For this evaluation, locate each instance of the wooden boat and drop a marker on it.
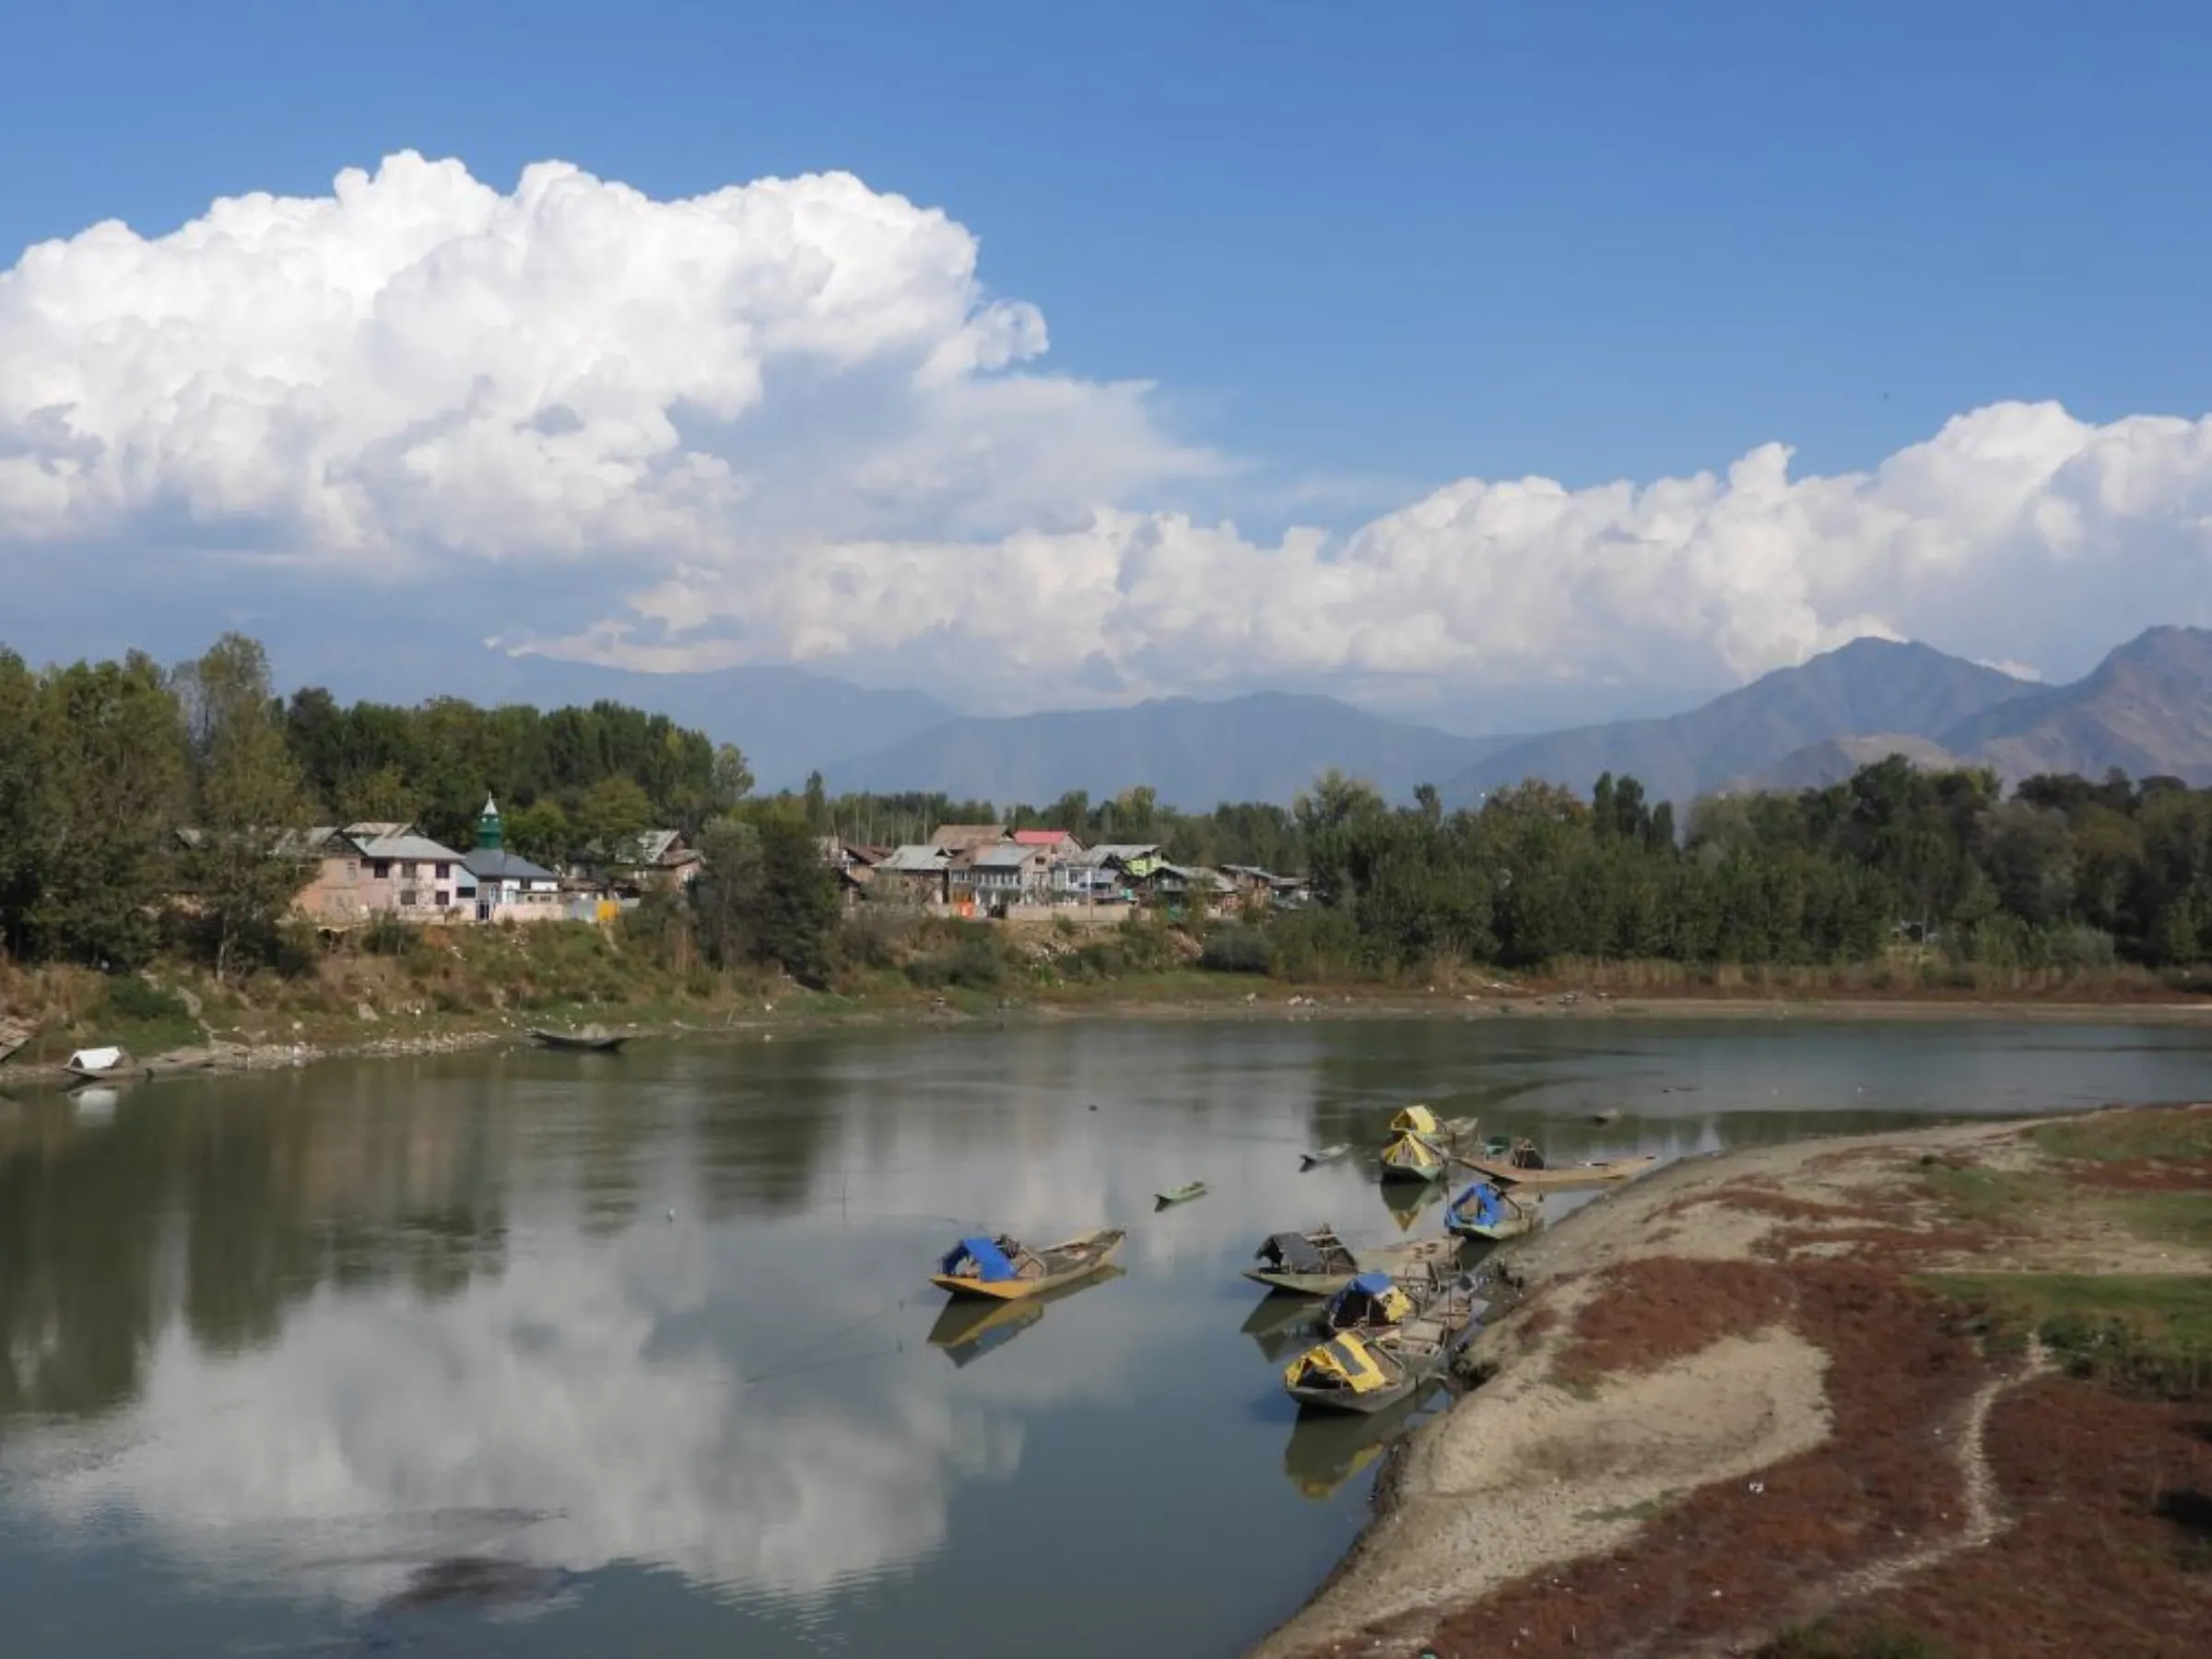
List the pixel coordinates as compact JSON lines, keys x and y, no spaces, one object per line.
{"x":1523,"y":1167}
{"x":1320,"y":1264}
{"x":1004,"y":1269}
{"x":591,"y":1039}
{"x":1375,"y":1301}
{"x":971,"y":1327}
{"x":1179,"y":1194}
{"x":1421,"y":1148}
{"x":1367,"y":1373}
{"x":1483,"y":1211}
{"x":1326,"y":1155}
{"x":88,"y":1064}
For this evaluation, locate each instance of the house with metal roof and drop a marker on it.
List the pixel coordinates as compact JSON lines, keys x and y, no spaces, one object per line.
{"x":509,"y":887}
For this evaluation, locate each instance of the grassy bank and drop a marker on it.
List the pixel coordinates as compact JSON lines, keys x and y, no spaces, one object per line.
{"x":395,"y":983}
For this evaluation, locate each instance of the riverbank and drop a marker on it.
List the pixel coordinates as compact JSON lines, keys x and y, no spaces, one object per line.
{"x":449,"y":1000}
{"x":1746,"y":1403}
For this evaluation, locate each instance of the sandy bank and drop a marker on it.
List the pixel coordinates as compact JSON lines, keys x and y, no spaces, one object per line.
{"x":1736,"y":1344}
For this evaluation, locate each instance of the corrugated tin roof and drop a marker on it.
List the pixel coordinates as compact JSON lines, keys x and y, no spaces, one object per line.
{"x":1010,"y":857}
{"x":1041,"y":838}
{"x":1115,"y":851}
{"x":958,"y":836}
{"x":419,"y":848}
{"x":916,"y":860}
{"x":496,"y":863}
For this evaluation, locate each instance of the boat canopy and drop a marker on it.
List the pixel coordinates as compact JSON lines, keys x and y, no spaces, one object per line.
{"x":1408,"y":1151}
{"x":989,"y":1256}
{"x":1373,"y":1298}
{"x":1341,"y":1362}
{"x":97,"y":1059}
{"x":1480,"y":1203}
{"x":1293,"y":1252}
{"x":1419,"y":1119}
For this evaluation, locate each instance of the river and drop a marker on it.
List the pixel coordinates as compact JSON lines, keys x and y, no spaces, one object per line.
{"x":560,"y":1355}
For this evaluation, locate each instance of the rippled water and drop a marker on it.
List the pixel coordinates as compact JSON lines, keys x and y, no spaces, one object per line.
{"x":414,"y":1356}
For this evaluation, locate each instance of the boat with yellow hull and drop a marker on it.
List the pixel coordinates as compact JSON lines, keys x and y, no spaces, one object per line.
{"x":1483,"y":1211}
{"x":1004,"y":1269}
{"x":1421,"y":1148}
{"x":1523,"y":1167}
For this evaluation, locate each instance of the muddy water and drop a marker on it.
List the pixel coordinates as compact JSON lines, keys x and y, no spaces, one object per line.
{"x":557,"y":1355}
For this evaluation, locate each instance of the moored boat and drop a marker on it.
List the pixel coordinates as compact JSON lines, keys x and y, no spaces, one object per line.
{"x":1484,"y":1211}
{"x":1324,"y":1155}
{"x":970,"y":1327}
{"x":1004,"y":1269}
{"x":1375,"y":1301}
{"x":1179,"y":1194}
{"x":1367,"y":1373}
{"x":1318,"y":1262}
{"x":1522,"y":1165}
{"x":1420,"y":1147}
{"x":86,"y":1064}
{"x":591,"y":1039}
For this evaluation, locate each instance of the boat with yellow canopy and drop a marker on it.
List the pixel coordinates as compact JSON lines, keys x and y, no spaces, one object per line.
{"x":1420,"y":1147}
{"x":1006,"y":1269}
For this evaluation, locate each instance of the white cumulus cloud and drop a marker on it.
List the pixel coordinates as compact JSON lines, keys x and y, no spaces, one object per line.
{"x":788,"y":422}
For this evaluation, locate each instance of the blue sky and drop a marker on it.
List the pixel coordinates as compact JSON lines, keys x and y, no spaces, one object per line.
{"x":1359,"y":259}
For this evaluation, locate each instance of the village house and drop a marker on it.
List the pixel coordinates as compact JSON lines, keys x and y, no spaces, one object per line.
{"x":506,"y":886}
{"x":1107,"y":874}
{"x":1007,"y":874}
{"x":1187,"y":890}
{"x":656,"y":858}
{"x":913,"y":874}
{"x":854,"y":862}
{"x":1060,"y":848}
{"x":355,"y":871}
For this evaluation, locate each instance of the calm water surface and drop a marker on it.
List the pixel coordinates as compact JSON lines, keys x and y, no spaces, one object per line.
{"x":276,"y":1347}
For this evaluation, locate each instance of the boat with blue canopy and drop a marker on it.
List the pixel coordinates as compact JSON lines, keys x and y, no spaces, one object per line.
{"x":1004,"y":1269}
{"x":1486,"y":1211}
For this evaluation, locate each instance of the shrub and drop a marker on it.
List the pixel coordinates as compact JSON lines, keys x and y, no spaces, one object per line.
{"x":130,"y":997}
{"x":1238,"y":950}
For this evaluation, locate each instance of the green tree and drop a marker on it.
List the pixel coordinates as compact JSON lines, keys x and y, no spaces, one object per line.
{"x":245,"y":863}
{"x":541,"y":832}
{"x":112,"y":751}
{"x":612,"y":816}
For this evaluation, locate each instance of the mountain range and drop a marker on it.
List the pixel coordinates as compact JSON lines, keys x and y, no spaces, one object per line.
{"x":2145,"y":709}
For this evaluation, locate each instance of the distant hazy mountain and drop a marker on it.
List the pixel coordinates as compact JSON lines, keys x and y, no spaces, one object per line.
{"x":1266,"y":746}
{"x":789,"y":722}
{"x":1835,"y":759}
{"x":2146,"y":709}
{"x":1867,"y":686}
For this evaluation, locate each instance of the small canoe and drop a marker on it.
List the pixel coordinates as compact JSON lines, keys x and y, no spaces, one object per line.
{"x":1004,"y":1269}
{"x":1179,"y":1194}
{"x":591,"y":1040}
{"x":1484,"y":1211}
{"x":1542,"y":1178}
{"x":1326,"y":1155}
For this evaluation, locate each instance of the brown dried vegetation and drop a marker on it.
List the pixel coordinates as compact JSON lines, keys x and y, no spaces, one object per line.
{"x":1883,"y":1483}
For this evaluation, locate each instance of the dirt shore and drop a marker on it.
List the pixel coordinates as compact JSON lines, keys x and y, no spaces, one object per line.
{"x":1736,"y":1411}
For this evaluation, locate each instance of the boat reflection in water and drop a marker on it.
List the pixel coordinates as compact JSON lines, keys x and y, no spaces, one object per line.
{"x":1326,"y":1449}
{"x":1281,"y":1324}
{"x":969,"y":1329}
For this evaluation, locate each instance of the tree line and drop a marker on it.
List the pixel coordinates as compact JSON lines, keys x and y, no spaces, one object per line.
{"x":103,"y":765}
{"x":2063,"y":872}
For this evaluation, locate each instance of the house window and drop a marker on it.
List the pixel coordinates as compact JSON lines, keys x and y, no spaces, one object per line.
{"x":353,"y":868}
{"x":464,"y":893}
{"x":407,"y":897}
{"x":443,"y":898}
{"x":409,"y":870}
{"x":380,"y":869}
{"x":442,"y":870}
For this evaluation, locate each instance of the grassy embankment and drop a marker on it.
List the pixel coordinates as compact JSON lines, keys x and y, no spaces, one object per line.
{"x":400,"y":985}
